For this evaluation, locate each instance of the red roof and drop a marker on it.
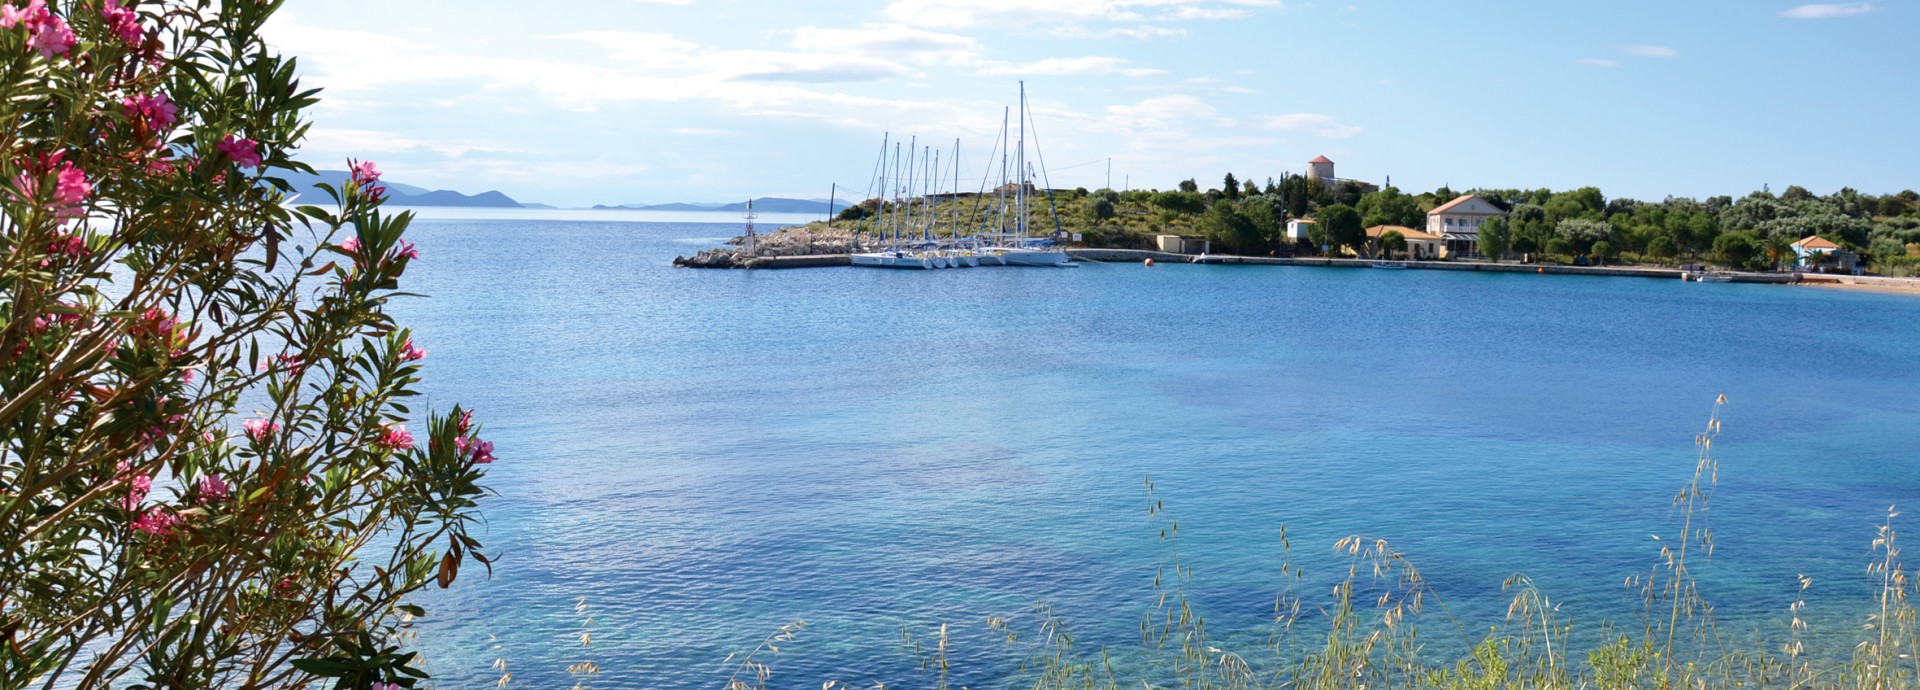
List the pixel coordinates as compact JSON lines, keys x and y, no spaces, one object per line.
{"x":1815,"y":242}
{"x":1443,"y":208}
{"x":1322,"y":159}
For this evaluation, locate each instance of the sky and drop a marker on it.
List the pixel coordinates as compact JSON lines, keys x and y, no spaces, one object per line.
{"x":650,"y":101}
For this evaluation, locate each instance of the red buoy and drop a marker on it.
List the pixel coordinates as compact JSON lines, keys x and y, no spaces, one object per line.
{"x":1149,"y":262}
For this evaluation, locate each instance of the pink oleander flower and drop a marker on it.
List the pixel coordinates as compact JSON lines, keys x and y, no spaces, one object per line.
{"x":11,"y":16}
{"x":67,"y":244}
{"x":365,"y":173}
{"x":410,"y":353}
{"x":70,"y":188}
{"x":257,"y":429}
{"x":466,"y":421}
{"x":124,"y":22}
{"x":51,"y":35}
{"x":367,"y":177}
{"x":156,"y":111}
{"x":397,"y":438}
{"x":482,"y":451}
{"x":156,"y":521}
{"x":352,"y":245}
{"x":213,"y":488}
{"x":137,"y":489}
{"x":244,"y":152}
{"x":406,"y":250}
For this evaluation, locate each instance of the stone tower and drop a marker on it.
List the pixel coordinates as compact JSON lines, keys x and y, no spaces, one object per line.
{"x":1321,"y":170}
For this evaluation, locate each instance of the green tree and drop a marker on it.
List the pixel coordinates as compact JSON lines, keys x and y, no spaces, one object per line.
{"x":206,"y":475}
{"x":1348,"y":192}
{"x":1227,"y":228}
{"x":1100,"y":210}
{"x":1189,"y":185}
{"x":1342,"y":226}
{"x":1392,"y":241}
{"x":1600,"y":251}
{"x":1661,"y":247}
{"x":1181,"y":202}
{"x":1495,"y":238}
{"x":1230,"y":187}
{"x":1776,"y":248}
{"x":1269,"y":218}
{"x":1581,"y":233}
{"x":1736,"y":249}
{"x":1389,"y":207}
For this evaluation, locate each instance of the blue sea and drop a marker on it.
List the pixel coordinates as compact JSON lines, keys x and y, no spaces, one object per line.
{"x":692,"y":459}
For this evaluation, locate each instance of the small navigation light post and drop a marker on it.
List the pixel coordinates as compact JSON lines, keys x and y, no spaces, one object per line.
{"x":752,"y":241}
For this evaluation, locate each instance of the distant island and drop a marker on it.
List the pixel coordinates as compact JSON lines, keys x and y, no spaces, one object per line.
{"x":398,"y":193}
{"x":762,"y":205}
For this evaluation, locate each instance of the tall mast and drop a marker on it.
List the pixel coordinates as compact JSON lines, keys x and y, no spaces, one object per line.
{"x":956,"y":190}
{"x":892,"y":191}
{"x":932,"y":190}
{"x":1020,"y":166}
{"x":1001,"y":203}
{"x":913,"y":144}
{"x":880,"y":188}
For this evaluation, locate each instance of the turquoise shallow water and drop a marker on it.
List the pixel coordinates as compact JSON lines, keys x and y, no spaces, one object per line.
{"x":706,"y":455}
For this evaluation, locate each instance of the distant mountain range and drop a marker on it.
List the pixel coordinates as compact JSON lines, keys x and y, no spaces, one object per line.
{"x":403,"y":194}
{"x":762,"y":205}
{"x":398,"y":193}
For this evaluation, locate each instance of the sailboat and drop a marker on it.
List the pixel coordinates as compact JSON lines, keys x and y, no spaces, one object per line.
{"x":894,"y":254}
{"x":1016,"y":246}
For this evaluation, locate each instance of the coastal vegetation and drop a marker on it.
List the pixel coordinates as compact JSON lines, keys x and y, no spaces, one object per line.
{"x":1755,"y":231}
{"x":207,"y":477}
{"x":1385,"y":625}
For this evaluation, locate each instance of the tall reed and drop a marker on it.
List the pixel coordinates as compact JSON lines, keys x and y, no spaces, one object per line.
{"x":1373,"y":641}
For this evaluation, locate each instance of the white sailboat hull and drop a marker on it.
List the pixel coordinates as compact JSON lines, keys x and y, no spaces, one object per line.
{"x":891,"y":260}
{"x":1026,"y":256}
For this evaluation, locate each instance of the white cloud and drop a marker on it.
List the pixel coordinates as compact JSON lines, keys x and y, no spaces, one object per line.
{"x":968,"y":13}
{"x":1069,"y":13}
{"x":334,"y":140}
{"x":1828,"y":11}
{"x":1315,"y":124}
{"x":1189,"y":13}
{"x":889,"y":41}
{"x":652,"y":50}
{"x":1054,"y":67}
{"x":1649,"y":51}
{"x":1597,"y":62}
{"x":812,"y":68}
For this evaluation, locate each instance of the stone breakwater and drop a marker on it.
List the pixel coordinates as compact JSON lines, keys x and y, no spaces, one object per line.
{"x":781,"y":248}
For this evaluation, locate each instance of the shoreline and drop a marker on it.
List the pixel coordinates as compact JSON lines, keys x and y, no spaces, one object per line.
{"x":1876,"y":284}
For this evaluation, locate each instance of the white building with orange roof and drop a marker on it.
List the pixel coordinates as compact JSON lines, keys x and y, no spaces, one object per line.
{"x":1809,"y":247}
{"x":1421,"y":246}
{"x":1459,"y":221}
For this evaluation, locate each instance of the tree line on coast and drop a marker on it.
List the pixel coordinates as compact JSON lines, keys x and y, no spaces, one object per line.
{"x":1756,"y":231}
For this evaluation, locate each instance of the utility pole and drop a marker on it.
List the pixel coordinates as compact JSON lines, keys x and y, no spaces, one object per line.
{"x":1109,"y":172}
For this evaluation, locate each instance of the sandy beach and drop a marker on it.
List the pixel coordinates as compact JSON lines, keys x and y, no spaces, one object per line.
{"x":1893,"y":286}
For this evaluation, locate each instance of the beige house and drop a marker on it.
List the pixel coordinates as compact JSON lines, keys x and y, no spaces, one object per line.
{"x":1421,"y":246}
{"x":1459,"y":221}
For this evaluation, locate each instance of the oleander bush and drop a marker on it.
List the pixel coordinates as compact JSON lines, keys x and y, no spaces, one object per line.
{"x":206,"y":474}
